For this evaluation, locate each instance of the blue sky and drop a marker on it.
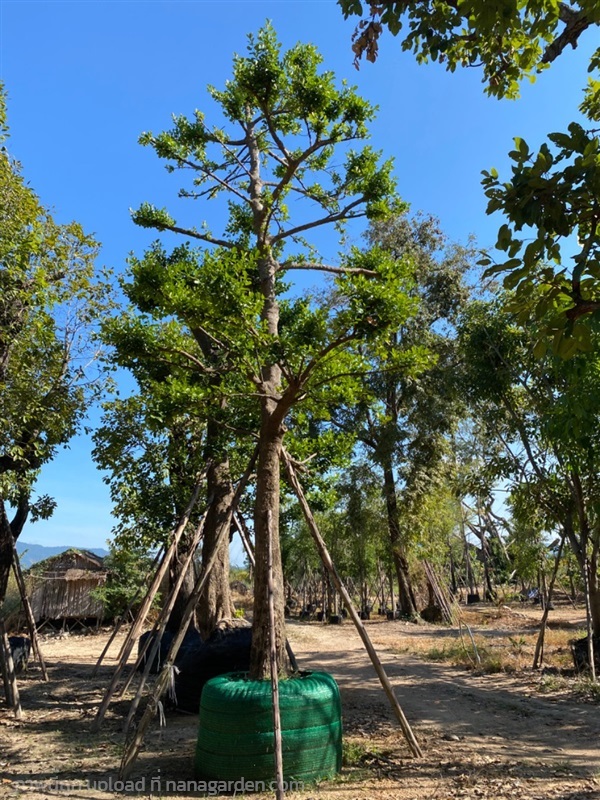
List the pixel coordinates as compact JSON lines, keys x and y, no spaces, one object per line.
{"x":85,"y":78}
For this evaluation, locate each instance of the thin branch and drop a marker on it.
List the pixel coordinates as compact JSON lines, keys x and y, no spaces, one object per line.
{"x":328,"y":268}
{"x":341,"y":215}
{"x":203,"y":237}
{"x":317,"y":360}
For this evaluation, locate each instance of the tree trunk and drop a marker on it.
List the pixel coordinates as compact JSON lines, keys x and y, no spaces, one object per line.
{"x":187,"y":587}
{"x":406,"y":597}
{"x":6,"y":552}
{"x":215,"y":602}
{"x":267,"y":500}
{"x":9,"y":533}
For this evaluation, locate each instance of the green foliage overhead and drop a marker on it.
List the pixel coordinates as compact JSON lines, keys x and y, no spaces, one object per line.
{"x":508,"y":40}
{"x":552,"y":195}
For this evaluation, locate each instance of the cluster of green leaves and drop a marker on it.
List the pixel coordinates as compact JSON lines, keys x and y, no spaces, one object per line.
{"x":150,"y":466}
{"x":129,"y":566}
{"x":298,"y":118}
{"x":509,"y":40}
{"x":554,"y":195}
{"x":544,"y":413}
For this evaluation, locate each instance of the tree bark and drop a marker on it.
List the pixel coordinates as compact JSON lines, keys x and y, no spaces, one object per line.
{"x":215,"y":602}
{"x":406,"y":597}
{"x":9,"y":533}
{"x":267,"y":501}
{"x":6,"y":552}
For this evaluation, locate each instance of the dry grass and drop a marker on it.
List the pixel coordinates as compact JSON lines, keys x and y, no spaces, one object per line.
{"x":502,"y":642}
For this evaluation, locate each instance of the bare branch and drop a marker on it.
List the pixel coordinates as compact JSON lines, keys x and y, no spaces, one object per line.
{"x":328,"y":268}
{"x":203,"y":237}
{"x":345,"y":213}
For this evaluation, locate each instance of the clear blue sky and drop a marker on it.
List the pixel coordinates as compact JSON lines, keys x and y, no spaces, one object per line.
{"x":85,"y":78}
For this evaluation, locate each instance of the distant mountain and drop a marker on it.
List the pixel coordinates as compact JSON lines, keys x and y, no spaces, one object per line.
{"x":32,"y":553}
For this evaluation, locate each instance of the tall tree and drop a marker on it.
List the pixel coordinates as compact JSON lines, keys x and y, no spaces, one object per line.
{"x":412,"y":405}
{"x":287,"y":134}
{"x":152,"y":453}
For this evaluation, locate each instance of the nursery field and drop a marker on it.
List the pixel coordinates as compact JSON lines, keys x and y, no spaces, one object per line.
{"x":490,"y":730}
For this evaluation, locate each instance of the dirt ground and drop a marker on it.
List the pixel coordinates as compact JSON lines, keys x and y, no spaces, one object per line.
{"x":483,"y":735}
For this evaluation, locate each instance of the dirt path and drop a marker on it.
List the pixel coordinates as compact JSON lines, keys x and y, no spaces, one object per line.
{"x":467,"y":721}
{"x":484,"y":737}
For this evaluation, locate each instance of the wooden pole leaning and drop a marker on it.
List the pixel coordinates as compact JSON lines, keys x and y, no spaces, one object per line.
{"x":124,"y":617}
{"x":279,"y":792}
{"x":145,"y":607}
{"x":329,"y":565}
{"x":31,"y":626}
{"x":538,"y":656}
{"x":164,"y":618}
{"x":132,"y":750}
{"x":7,"y":667}
{"x":243,"y":532}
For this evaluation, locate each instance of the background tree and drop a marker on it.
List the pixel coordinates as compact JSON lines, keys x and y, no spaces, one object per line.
{"x":412,"y":403}
{"x":49,"y":304}
{"x":545,"y":414}
{"x":152,"y":455}
{"x":128,"y":566}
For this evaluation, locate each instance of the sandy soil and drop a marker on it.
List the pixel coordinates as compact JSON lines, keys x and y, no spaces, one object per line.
{"x":483,"y":736}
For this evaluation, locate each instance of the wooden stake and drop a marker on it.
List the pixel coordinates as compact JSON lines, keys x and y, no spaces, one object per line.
{"x":588,"y":614}
{"x":124,"y":617}
{"x":538,"y":657}
{"x":163,"y":620}
{"x":243,"y":532}
{"x":31,"y":626}
{"x":132,"y":751}
{"x":326,"y":558}
{"x":279,"y":792}
{"x":145,"y":607}
{"x":440,"y":595}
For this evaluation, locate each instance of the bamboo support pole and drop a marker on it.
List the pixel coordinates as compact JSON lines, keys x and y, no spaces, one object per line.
{"x":439,"y":593}
{"x":132,"y":750}
{"x":124,"y":617}
{"x":326,"y":558}
{"x":589,"y":625}
{"x":243,"y":533}
{"x":279,"y":792}
{"x":35,"y":643}
{"x":145,"y":607}
{"x":163,"y":620}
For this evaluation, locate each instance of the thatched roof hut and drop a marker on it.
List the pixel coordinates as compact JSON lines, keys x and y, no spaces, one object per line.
{"x":62,"y":587}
